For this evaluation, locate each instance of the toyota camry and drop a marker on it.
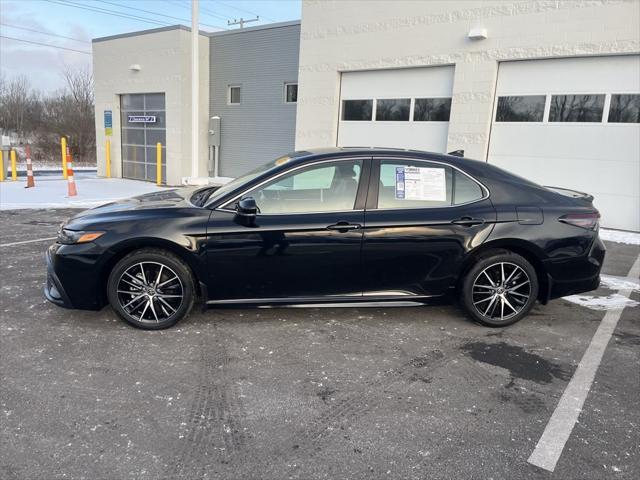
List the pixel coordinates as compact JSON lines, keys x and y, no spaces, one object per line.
{"x":333,"y":226}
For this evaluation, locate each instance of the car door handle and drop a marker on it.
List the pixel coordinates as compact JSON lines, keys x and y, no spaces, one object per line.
{"x":468,"y":221}
{"x":343,"y":227}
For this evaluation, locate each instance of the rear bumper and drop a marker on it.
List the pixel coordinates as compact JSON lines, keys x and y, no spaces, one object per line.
{"x":575,"y":275}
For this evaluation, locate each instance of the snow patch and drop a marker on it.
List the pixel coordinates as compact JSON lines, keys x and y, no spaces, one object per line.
{"x":619,"y":283}
{"x":618,"y":236}
{"x":614,"y":301}
{"x":52,"y":193}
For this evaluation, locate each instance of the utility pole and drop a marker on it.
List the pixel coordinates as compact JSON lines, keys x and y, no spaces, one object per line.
{"x":242,"y":21}
{"x":195,"y":84}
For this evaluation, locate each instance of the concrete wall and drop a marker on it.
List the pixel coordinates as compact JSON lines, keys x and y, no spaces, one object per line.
{"x":346,"y":35}
{"x":164,"y":56}
{"x":260,"y":60}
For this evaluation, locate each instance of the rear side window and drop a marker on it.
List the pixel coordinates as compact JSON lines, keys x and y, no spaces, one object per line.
{"x":414,"y":184}
{"x":465,"y":190}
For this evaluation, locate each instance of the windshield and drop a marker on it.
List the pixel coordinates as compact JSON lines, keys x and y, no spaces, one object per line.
{"x":232,"y":185}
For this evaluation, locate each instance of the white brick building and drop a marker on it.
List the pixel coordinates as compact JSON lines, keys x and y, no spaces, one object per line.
{"x":449,"y":75}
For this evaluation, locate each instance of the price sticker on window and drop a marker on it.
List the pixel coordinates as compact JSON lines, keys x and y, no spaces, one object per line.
{"x":418,"y":183}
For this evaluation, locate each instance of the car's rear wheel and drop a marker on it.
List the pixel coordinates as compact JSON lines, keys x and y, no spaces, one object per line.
{"x":500,"y":289}
{"x":151,"y":289}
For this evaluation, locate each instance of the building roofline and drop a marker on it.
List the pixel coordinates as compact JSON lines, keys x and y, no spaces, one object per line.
{"x":267,"y":26}
{"x":202,"y":32}
{"x":146,"y":32}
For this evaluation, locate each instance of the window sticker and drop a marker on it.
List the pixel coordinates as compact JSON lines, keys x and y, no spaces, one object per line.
{"x":417,"y":183}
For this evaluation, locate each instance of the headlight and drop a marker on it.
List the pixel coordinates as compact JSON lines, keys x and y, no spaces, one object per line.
{"x":71,"y":237}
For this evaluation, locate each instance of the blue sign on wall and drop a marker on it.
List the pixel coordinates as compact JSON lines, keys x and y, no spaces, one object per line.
{"x":108,"y":122}
{"x":141,"y":118}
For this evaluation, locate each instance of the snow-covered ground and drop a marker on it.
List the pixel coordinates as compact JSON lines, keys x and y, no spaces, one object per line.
{"x":51,"y":192}
{"x":630,"y":238}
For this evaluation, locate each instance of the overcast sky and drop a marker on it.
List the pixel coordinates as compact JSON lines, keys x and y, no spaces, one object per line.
{"x":82,"y":20}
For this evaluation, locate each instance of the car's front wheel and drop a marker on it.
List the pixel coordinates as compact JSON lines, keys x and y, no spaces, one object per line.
{"x":500,"y":289}
{"x":151,"y":289}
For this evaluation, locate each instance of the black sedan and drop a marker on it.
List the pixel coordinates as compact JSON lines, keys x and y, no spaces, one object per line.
{"x":333,"y":226}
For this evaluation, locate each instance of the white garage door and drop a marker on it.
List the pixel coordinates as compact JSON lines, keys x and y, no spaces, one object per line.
{"x":574,"y":123}
{"x":403,"y":108}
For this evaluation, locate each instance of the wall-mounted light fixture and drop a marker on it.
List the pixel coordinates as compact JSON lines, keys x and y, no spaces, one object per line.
{"x":477,"y":34}
{"x":134,"y":67}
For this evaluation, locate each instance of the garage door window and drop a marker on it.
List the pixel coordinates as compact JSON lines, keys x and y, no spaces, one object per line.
{"x":625,"y":109}
{"x":393,"y":109}
{"x":576,"y":108}
{"x":521,"y":108}
{"x":359,"y":110}
{"x":432,"y":110}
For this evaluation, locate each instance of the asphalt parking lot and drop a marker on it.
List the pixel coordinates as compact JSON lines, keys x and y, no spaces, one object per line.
{"x":348,"y":393}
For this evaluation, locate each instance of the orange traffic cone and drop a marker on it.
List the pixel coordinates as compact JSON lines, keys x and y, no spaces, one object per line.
{"x":30,"y":181}
{"x":71,"y":184}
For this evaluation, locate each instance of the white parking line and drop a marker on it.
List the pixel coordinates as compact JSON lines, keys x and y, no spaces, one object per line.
{"x":565,"y":416}
{"x":27,"y":241}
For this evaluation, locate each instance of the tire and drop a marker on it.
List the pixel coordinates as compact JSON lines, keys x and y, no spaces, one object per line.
{"x":151,"y":289}
{"x":500,"y":289}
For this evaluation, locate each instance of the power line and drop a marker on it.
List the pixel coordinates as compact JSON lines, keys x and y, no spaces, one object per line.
{"x":245,"y":11}
{"x":109,"y":12}
{"x":154,"y":13}
{"x":46,"y":45}
{"x":44,"y":33}
{"x":203,"y":10}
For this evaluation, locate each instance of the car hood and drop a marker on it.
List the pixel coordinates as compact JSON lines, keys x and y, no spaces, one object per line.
{"x":134,"y":207}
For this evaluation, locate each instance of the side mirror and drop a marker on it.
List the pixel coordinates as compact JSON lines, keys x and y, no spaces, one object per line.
{"x":247,"y":207}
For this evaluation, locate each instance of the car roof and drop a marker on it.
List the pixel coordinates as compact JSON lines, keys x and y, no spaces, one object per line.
{"x":302,"y":156}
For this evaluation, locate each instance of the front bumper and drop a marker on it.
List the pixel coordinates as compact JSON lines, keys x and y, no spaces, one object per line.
{"x":73,"y":279}
{"x":53,"y":289}
{"x":576,"y":275}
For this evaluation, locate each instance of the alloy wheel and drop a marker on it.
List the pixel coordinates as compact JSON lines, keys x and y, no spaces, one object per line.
{"x":501,"y":291}
{"x":150,"y":292}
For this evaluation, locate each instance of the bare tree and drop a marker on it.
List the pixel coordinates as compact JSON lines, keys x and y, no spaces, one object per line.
{"x":19,"y":106}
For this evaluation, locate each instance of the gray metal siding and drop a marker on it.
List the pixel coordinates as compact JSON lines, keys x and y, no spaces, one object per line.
{"x":262,"y":126}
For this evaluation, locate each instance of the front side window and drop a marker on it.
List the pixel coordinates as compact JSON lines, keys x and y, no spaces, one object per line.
{"x":357,"y":110}
{"x":291,"y":92}
{"x":393,"y":109}
{"x":521,"y":108}
{"x":576,"y":108}
{"x":432,"y":110}
{"x":234,"y":95}
{"x":414,"y":184}
{"x":327,"y":187}
{"x":625,"y":108}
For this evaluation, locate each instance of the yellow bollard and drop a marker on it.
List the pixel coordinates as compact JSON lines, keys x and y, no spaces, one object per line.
{"x":2,"y":166}
{"x":108,"y":156}
{"x":63,"y":149}
{"x":14,"y":170}
{"x":159,"y":163}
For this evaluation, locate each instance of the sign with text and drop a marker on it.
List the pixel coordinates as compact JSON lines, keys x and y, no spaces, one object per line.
{"x":141,"y":118}
{"x":417,"y":183}
{"x":108,"y":123}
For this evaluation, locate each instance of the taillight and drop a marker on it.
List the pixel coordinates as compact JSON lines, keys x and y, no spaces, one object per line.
{"x":582,"y":220}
